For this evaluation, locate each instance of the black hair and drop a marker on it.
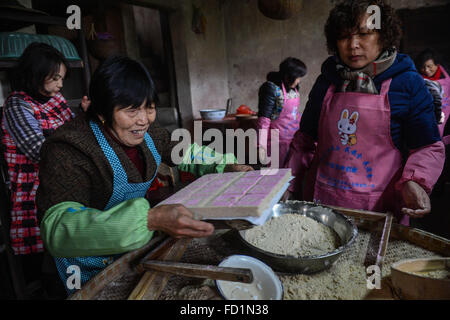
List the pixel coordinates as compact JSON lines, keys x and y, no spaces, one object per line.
{"x":424,"y":56}
{"x":290,"y":69}
{"x":345,"y":18}
{"x":38,"y":62}
{"x":119,"y":82}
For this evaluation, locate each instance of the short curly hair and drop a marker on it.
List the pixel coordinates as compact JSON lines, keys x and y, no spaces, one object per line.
{"x":345,"y":17}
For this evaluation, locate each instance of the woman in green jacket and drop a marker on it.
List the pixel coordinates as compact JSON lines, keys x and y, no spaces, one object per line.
{"x":96,"y":170}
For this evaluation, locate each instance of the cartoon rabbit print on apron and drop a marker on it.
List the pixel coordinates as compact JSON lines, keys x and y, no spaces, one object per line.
{"x":347,"y":127}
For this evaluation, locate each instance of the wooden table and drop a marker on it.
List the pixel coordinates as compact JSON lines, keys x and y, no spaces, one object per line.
{"x":231,"y":121}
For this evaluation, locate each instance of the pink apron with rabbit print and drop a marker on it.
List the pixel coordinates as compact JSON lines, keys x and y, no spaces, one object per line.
{"x":287,"y":123}
{"x":445,"y":83}
{"x":357,"y":162}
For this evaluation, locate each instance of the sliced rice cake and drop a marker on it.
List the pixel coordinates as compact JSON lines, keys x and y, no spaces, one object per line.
{"x":232,"y":194}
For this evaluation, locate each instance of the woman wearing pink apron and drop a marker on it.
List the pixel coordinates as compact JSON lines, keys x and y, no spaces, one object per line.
{"x":356,"y":166}
{"x":368,"y":138}
{"x":279,"y":108}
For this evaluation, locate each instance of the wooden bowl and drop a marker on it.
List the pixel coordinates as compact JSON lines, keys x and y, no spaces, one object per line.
{"x":411,"y":282}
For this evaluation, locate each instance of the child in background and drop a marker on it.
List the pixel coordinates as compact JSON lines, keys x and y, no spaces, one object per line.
{"x":31,"y":113}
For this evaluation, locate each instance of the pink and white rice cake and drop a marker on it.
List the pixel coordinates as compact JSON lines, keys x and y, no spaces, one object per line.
{"x":232,"y":194}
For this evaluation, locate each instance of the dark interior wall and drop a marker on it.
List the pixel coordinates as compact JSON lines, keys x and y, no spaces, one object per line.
{"x":103,"y":16}
{"x":199,"y":59}
{"x":147,"y":24}
{"x":241,"y":45}
{"x":206,"y":56}
{"x":427,"y":28}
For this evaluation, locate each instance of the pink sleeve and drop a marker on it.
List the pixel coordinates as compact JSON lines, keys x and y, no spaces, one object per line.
{"x":263,"y":126}
{"x":299,"y":159}
{"x":446,"y":140}
{"x":424,"y":166}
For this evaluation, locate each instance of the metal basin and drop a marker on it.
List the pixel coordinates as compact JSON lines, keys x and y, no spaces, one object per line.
{"x":213,"y":114}
{"x":342,"y":225}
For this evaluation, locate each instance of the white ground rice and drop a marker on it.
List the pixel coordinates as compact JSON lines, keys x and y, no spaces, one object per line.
{"x":347,"y":278}
{"x":294,"y":235}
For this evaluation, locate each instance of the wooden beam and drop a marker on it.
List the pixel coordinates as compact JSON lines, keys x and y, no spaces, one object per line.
{"x":200,"y":271}
{"x":9,"y":64}
{"x":384,"y":240}
{"x":363,"y":214}
{"x":152,"y":283}
{"x":159,"y":6}
{"x":11,"y":15}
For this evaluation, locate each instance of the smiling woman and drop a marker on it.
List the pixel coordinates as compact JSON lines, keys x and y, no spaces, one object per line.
{"x":130,"y":125}
{"x":96,"y":171}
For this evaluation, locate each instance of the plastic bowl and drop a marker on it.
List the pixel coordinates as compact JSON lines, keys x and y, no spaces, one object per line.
{"x":213,"y":114}
{"x":265,"y":286}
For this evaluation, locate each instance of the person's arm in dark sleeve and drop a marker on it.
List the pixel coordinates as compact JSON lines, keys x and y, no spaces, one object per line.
{"x":420,"y":127}
{"x":436,"y":90}
{"x":426,"y":150}
{"x":266,"y":106}
{"x":309,"y":123}
{"x":266,"y":100}
{"x":23,"y":127}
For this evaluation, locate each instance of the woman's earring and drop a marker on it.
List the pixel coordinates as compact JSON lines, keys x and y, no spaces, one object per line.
{"x":103,"y":122}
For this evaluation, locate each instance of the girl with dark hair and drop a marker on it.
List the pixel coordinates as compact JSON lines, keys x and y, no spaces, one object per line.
{"x":31,"y":113}
{"x":279,"y":107}
{"x":97,"y":169}
{"x":368,"y":138}
{"x":438,"y":83}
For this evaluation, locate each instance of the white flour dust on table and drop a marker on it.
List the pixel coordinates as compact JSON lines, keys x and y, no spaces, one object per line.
{"x":294,"y":235}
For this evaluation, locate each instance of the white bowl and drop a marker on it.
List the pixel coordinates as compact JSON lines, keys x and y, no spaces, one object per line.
{"x":213,"y":114}
{"x":265,"y":286}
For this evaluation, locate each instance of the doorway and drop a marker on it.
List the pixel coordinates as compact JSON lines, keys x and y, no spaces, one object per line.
{"x":154,"y":50}
{"x":426,"y":28}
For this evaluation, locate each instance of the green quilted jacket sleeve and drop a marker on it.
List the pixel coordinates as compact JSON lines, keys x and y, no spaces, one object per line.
{"x":204,"y":160}
{"x":69,"y":229}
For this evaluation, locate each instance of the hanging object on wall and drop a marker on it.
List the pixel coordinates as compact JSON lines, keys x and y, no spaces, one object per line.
{"x":198,"y":20}
{"x":102,"y":44}
{"x":280,"y":9}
